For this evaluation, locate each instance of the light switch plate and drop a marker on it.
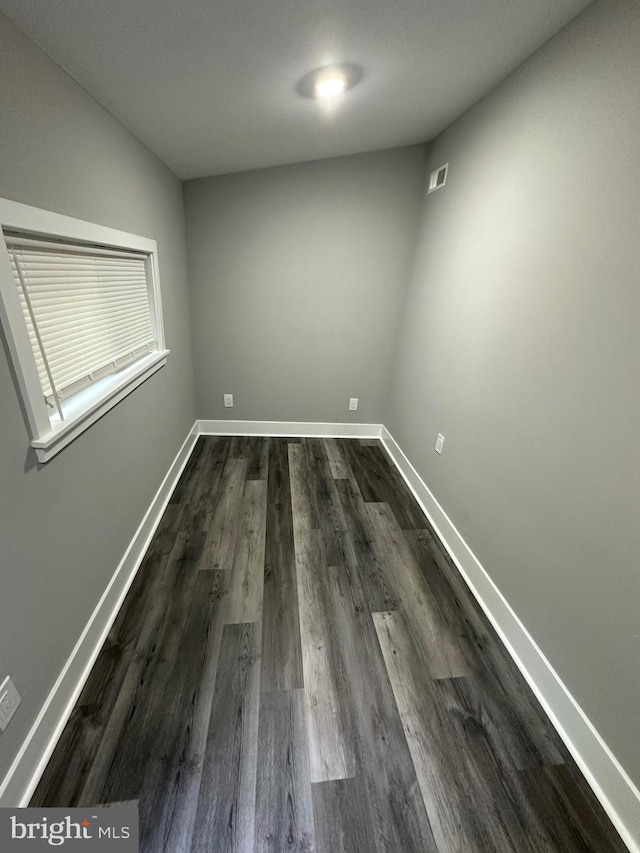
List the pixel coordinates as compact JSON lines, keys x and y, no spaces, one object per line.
{"x":9,"y":701}
{"x":228,"y":401}
{"x":353,"y":404}
{"x":439,"y":443}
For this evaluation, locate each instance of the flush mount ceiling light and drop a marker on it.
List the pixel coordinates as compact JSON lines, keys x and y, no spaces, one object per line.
{"x":329,"y":82}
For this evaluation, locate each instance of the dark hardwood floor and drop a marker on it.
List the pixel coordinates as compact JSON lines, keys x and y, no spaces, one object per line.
{"x":298,"y":666}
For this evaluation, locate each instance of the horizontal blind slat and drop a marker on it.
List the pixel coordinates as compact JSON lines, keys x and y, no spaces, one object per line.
{"x":70,"y":259}
{"x":90,"y":270}
{"x":71,"y":343}
{"x":74,"y":284}
{"x":63,"y":320}
{"x":60,"y":360}
{"x":79,"y":283}
{"x":60,"y":356}
{"x":61,"y":364}
{"x":59,"y":307}
{"x":90,"y":330}
{"x":69,"y":263}
{"x":70,"y":378}
{"x":88,"y":311}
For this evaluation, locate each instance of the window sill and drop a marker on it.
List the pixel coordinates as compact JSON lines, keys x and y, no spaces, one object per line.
{"x":85,"y":408}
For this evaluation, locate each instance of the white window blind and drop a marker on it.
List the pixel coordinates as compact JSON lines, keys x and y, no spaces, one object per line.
{"x":87,"y":312}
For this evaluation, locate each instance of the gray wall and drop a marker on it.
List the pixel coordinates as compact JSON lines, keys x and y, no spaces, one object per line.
{"x":65,"y":526}
{"x":521,"y":344}
{"x":297,"y":275}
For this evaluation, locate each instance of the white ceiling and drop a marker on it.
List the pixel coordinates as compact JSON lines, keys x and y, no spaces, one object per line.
{"x":209,"y":85}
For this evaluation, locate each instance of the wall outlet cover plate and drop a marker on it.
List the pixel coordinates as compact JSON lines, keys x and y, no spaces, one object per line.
{"x":9,"y":702}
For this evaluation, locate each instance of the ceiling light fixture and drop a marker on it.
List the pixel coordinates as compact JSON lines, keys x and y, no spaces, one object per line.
{"x":329,"y":82}
{"x":330,"y":85}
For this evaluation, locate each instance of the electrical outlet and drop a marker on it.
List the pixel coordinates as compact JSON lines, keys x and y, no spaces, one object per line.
{"x":353,"y":404}
{"x":439,"y":443}
{"x":9,"y":701}
{"x":228,"y":401}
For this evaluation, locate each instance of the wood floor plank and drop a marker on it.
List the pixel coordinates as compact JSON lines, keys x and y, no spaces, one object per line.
{"x":120,"y":763}
{"x":281,"y":649}
{"x":522,"y":724}
{"x":339,"y":510}
{"x":367,"y":479}
{"x":342,"y":818}
{"x":186,"y":480}
{"x":372,"y":586}
{"x":303,"y":501}
{"x":462,"y":822}
{"x":517,"y":718}
{"x":445,"y":652}
{"x":244,"y":601}
{"x":330,"y":518}
{"x":444,"y":578}
{"x":135,"y":626}
{"x":94,"y":787}
{"x":573,"y":821}
{"x":279,"y":491}
{"x":239,"y":447}
{"x":284,"y":808}
{"x":450,"y":593}
{"x":226,"y":805}
{"x":380,"y":482}
{"x":330,"y":732}
{"x":258,"y":458}
{"x":400,"y":821}
{"x":200,"y":499}
{"x":170,"y":788}
{"x":396,"y":492}
{"x":222,"y":526}
{"x":339,"y":466}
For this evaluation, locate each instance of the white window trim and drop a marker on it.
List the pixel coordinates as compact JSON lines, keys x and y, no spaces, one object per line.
{"x":48,"y":437}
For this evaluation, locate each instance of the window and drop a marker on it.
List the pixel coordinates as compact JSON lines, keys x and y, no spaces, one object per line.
{"x":80,"y":306}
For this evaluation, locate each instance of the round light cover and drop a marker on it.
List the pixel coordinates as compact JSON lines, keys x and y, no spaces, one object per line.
{"x":328,"y":82}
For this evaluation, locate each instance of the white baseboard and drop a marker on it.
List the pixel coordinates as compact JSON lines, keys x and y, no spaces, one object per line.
{"x":290,"y":428}
{"x":608,"y":779}
{"x":24,"y":774}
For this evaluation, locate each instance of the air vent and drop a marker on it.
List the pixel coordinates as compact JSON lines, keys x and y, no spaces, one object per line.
{"x":438,"y":178}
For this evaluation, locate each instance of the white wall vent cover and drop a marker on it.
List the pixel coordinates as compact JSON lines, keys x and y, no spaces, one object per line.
{"x":438,"y":178}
